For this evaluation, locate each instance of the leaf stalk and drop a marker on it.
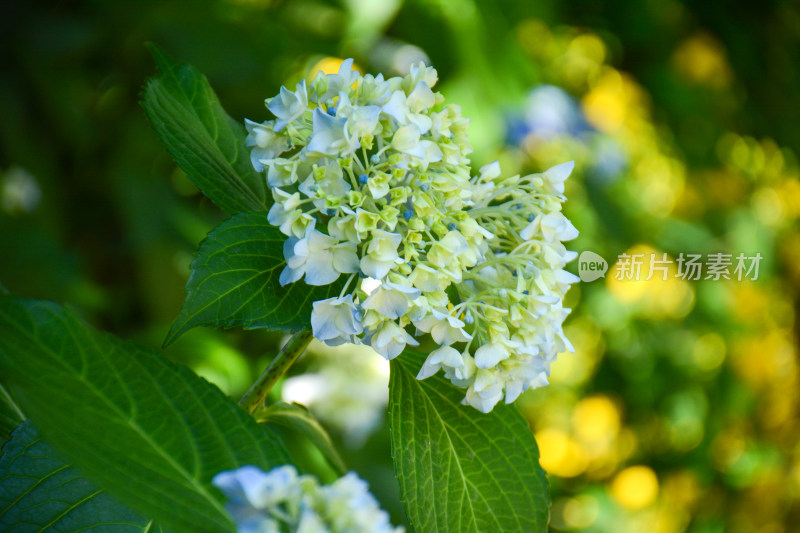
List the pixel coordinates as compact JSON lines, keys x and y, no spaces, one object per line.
{"x":286,"y":357}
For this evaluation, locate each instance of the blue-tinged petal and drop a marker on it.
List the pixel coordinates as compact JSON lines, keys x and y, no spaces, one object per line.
{"x":319,"y":268}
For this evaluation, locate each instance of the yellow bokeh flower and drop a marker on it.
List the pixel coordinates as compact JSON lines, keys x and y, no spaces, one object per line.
{"x":636,"y":487}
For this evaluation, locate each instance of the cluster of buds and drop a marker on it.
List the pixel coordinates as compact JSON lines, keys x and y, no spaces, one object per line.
{"x":372,"y":183}
{"x":282,"y":500}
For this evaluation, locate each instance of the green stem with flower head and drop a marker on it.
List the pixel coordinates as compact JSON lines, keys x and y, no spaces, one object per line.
{"x":286,"y":357}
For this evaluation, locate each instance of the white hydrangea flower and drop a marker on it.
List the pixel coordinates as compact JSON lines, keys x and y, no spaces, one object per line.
{"x":287,"y":215}
{"x":289,"y":106}
{"x":326,"y":88}
{"x":331,"y":136}
{"x":283,"y":500}
{"x":485,"y":391}
{"x":391,"y":299}
{"x":445,"y":328}
{"x":319,"y":257}
{"x":490,"y":354}
{"x":265,"y":143}
{"x":381,"y":254}
{"x":336,"y":320}
{"x":371,"y":178}
{"x":444,"y":357}
{"x":412,"y":109}
{"x":389,"y":339}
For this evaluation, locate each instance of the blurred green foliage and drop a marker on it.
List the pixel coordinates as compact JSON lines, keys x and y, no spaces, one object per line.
{"x":679,"y":409}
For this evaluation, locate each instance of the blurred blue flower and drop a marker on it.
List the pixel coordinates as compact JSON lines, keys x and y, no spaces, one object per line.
{"x":283,"y":500}
{"x":609,"y":158}
{"x":549,"y":112}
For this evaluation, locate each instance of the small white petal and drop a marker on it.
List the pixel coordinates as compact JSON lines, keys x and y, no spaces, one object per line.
{"x":406,"y":138}
{"x":488,"y":355}
{"x":396,"y":107}
{"x":319,"y":268}
{"x":490,"y":170}
{"x":557,"y":174}
{"x":289,"y":275}
{"x":345,"y":259}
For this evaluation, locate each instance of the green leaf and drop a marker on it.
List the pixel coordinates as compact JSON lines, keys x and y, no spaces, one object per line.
{"x":151,"y":432}
{"x":10,"y":416}
{"x":203,"y":140}
{"x":40,"y":491}
{"x":461,"y":470}
{"x":234,"y":281}
{"x":297,"y":417}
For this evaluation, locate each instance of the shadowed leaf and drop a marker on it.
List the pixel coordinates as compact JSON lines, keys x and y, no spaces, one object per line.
{"x":203,"y":140}
{"x":150,"y":432}
{"x":234,"y":281}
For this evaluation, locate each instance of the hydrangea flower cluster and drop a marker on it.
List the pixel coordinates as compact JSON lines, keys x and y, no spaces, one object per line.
{"x":281,"y":500}
{"x":372,"y":184}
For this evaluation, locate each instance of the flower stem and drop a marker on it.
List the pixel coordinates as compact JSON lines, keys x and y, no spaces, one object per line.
{"x":286,"y":357}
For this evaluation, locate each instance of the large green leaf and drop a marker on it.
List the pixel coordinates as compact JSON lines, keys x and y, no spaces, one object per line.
{"x":203,"y":140}
{"x":461,"y":470}
{"x":38,"y":490}
{"x":151,"y":432}
{"x":234,"y":281}
{"x":10,"y":415}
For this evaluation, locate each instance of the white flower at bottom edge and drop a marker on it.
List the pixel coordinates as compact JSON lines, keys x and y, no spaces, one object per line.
{"x":390,"y":340}
{"x":335,"y":319}
{"x":252,"y":486}
{"x":350,"y":507}
{"x":268,"y":502}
